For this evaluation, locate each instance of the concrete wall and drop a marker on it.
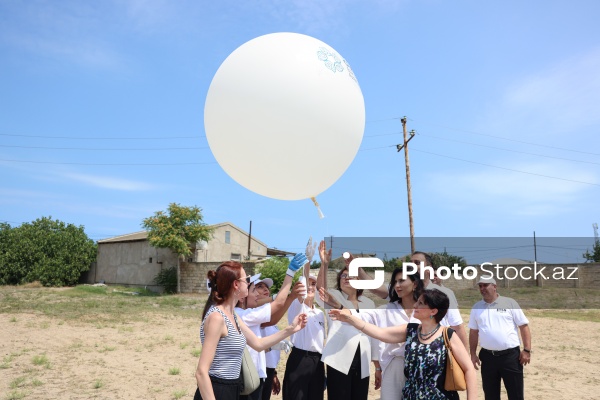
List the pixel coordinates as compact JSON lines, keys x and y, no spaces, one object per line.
{"x":133,"y":263}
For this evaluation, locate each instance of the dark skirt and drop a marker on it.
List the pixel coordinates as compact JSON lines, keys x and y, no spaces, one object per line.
{"x":224,"y":389}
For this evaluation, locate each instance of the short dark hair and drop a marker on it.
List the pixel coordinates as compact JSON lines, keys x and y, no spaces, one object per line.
{"x":437,"y":299}
{"x":359,"y":292}
{"x":414,"y":277}
{"x":428,"y":259}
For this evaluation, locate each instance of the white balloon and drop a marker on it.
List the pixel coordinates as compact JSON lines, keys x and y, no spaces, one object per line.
{"x":284,"y":116}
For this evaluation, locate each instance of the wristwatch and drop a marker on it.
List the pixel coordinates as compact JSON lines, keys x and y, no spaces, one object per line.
{"x":377,"y":369}
{"x":528,"y":351}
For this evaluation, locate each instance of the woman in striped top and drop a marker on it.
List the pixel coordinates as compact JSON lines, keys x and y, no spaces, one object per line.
{"x":224,"y":336}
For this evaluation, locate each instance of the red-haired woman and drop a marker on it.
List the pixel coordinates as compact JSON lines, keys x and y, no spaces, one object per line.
{"x":224,"y":336}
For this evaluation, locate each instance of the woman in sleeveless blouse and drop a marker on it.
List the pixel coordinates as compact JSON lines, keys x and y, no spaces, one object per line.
{"x":224,"y":336}
{"x":425,"y":353}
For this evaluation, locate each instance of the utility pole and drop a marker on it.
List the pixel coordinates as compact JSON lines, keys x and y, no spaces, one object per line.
{"x":249,"y":241}
{"x":534,"y":248}
{"x":408,"y":187}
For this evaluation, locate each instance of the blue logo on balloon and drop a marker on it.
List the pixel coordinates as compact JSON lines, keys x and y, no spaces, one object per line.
{"x":330,"y":59}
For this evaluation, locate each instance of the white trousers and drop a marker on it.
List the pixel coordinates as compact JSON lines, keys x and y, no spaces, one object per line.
{"x":392,"y":381}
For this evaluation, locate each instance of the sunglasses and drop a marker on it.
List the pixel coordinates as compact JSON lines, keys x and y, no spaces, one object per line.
{"x":346,"y":276}
{"x":247,"y":279}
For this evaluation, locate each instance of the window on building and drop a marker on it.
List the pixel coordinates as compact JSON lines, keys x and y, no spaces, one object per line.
{"x":150,"y":260}
{"x":236,"y":257}
{"x":227,"y":237}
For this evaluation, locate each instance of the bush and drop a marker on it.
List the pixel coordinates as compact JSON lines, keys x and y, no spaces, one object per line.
{"x":167,"y":278}
{"x":45,"y":250}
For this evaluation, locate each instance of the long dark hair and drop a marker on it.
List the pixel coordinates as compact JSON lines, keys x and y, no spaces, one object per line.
{"x":221,"y":282}
{"x":414,"y":277}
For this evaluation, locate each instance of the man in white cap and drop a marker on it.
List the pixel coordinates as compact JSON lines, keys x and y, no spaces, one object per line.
{"x":493,"y":324}
{"x":255,"y":316}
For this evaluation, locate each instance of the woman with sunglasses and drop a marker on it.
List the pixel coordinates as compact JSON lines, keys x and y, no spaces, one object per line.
{"x":425,"y":350}
{"x":347,"y":351}
{"x":224,"y":336}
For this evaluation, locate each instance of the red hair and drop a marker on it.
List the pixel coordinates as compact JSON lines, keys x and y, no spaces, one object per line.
{"x":221,"y":283}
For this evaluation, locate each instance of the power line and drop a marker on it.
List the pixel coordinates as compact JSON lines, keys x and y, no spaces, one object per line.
{"x":104,"y":137}
{"x":105,"y":149}
{"x":507,"y":169}
{"x":512,"y":151}
{"x":512,"y":140}
{"x":109,"y":164}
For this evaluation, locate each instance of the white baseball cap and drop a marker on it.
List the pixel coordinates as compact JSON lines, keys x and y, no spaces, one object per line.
{"x":266,"y":281}
{"x":487,"y":280}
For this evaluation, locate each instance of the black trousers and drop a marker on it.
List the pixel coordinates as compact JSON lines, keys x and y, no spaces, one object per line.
{"x":224,"y":389}
{"x":257,"y":394}
{"x":268,"y":386}
{"x":504,"y":366}
{"x":304,"y":377}
{"x":347,"y":387}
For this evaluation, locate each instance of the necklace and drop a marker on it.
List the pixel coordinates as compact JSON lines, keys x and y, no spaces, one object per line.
{"x":428,"y":335}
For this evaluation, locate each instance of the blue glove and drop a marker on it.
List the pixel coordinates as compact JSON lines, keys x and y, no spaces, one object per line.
{"x":297,"y":262}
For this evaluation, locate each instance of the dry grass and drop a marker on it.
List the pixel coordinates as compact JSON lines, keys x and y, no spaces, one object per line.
{"x":95,"y":342}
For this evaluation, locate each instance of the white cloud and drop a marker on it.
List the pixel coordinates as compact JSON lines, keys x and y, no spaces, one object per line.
{"x":513,"y":193}
{"x":73,"y":32}
{"x":562,"y":97}
{"x":107,"y":182}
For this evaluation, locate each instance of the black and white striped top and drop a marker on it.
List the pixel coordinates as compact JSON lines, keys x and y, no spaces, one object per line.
{"x":228,"y":356}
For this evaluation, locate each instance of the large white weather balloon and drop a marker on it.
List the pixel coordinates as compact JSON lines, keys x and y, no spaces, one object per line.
{"x":284,"y":116}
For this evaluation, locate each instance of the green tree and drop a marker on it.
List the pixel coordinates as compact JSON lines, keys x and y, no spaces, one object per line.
{"x":274,"y":268}
{"x":389,"y":265}
{"x":177,"y":229}
{"x":594,"y":256}
{"x":448,"y":259}
{"x":45,"y":250}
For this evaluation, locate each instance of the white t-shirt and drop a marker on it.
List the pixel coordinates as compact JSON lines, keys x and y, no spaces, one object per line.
{"x":452,"y":317}
{"x":253,"y":317}
{"x":497,"y":323}
{"x":312,"y":337}
{"x":272,"y":356}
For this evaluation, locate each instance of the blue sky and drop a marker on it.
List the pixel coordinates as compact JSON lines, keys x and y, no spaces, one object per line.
{"x":504,"y":97}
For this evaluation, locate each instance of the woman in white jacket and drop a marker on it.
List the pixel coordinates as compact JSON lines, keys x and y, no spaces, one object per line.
{"x":347,"y":351}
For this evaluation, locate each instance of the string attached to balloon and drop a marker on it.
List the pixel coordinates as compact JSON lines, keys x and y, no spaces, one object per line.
{"x":321,"y":215}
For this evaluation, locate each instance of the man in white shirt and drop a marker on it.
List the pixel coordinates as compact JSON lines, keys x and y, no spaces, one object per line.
{"x":493,"y":324}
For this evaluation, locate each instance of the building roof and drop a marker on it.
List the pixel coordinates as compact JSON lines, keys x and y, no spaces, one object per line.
{"x":143,"y":235}
{"x":278,"y":253}
{"x":129,"y":237}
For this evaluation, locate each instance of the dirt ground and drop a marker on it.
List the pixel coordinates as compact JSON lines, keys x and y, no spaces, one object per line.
{"x":45,"y":358}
